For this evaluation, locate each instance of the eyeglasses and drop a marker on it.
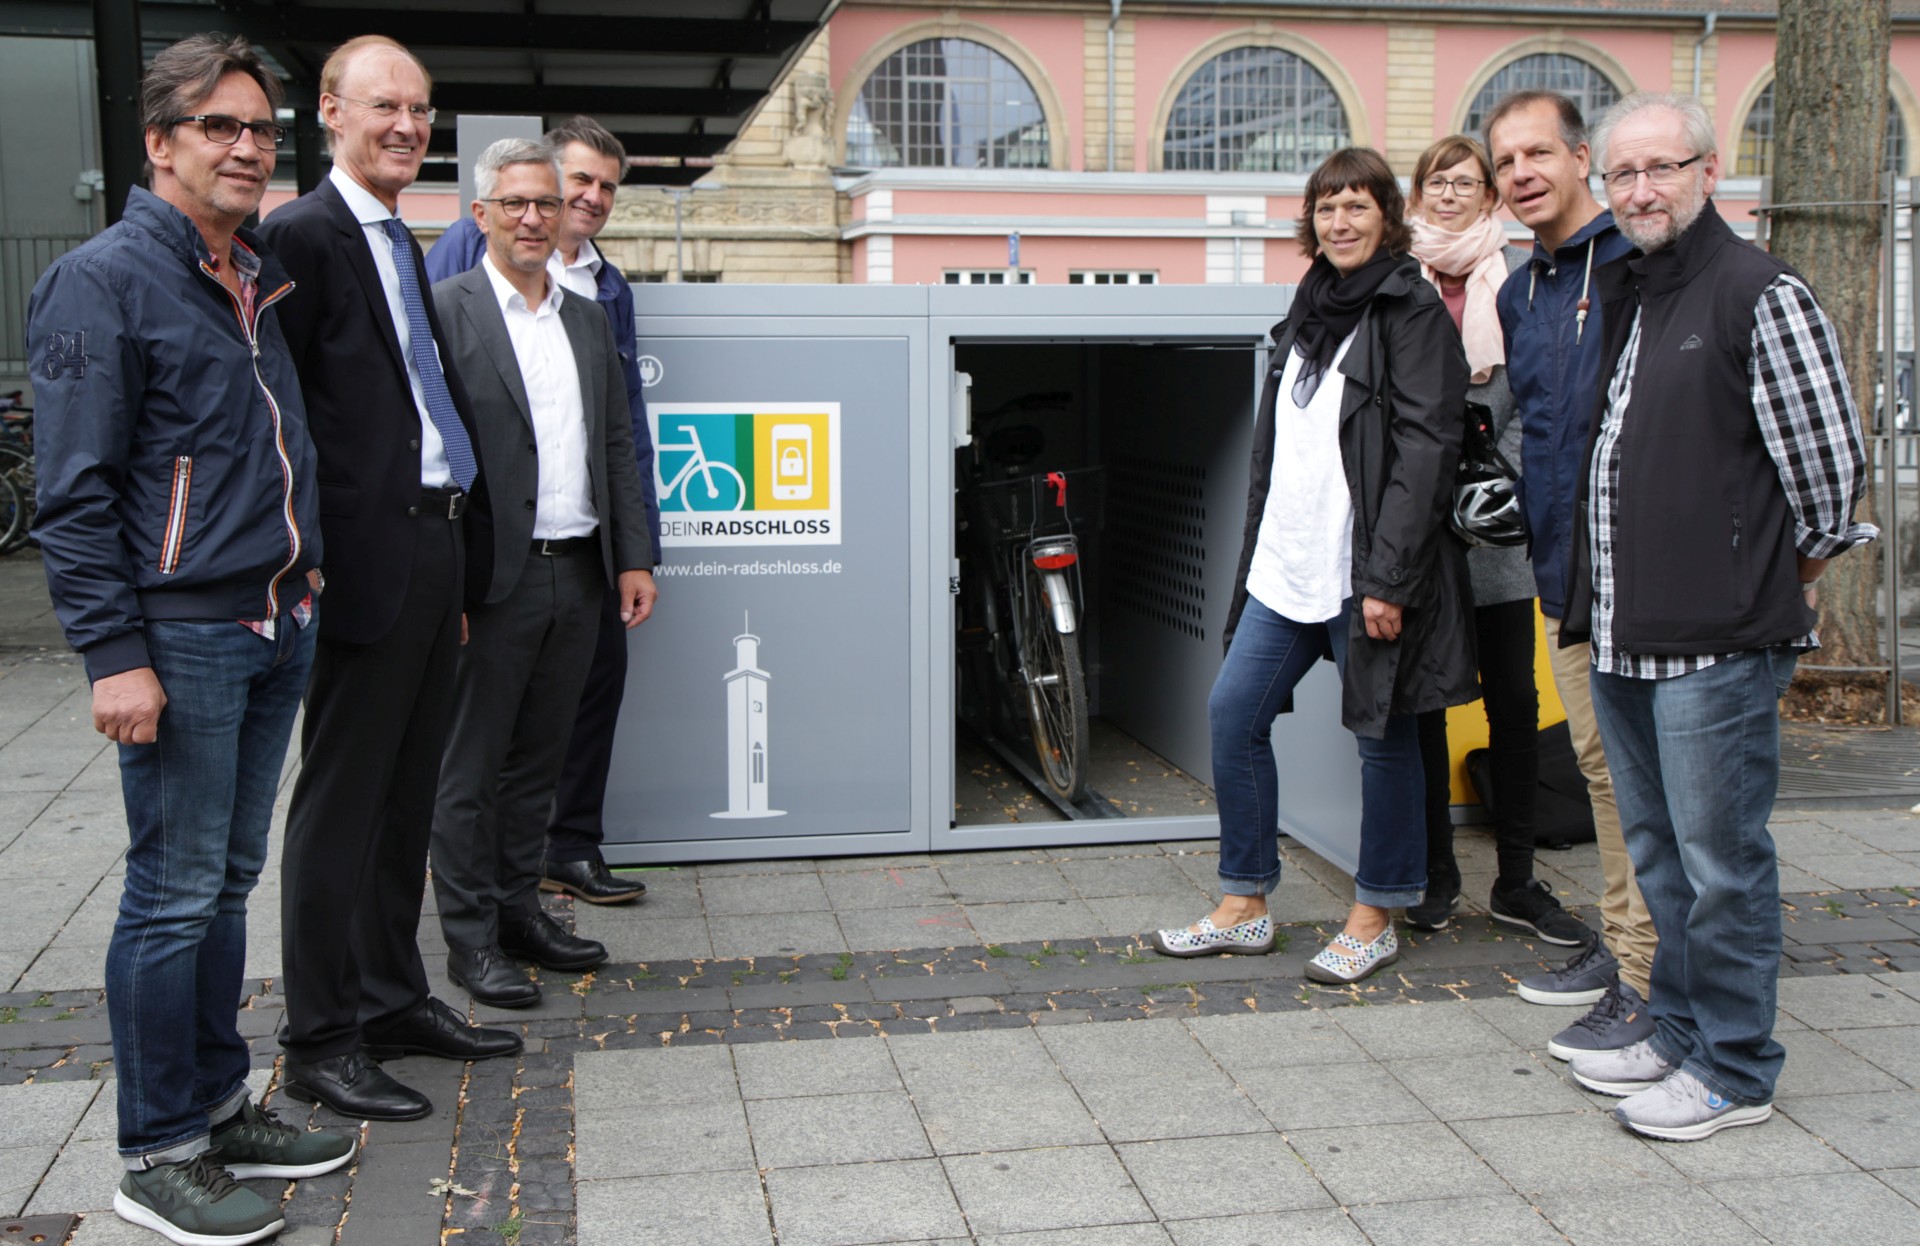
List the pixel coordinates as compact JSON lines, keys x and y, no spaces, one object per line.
{"x":1659,"y":174}
{"x":514,"y":206}
{"x":387,"y":110}
{"x":1462,"y":186}
{"x":225,"y":130}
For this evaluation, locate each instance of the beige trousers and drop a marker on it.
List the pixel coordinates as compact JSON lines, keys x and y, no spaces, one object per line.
{"x":1623,"y":913}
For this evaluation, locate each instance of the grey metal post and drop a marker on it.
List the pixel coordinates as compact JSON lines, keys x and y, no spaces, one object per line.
{"x":1889,"y":376}
{"x":118,"y":65}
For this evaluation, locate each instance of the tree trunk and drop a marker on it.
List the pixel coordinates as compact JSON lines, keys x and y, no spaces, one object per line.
{"x":1830,"y":110}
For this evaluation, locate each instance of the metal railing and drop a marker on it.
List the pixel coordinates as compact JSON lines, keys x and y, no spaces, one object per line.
{"x":22,"y":259}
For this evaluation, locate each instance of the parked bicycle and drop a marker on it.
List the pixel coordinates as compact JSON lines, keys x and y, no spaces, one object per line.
{"x":16,"y":472}
{"x":1020,"y":607}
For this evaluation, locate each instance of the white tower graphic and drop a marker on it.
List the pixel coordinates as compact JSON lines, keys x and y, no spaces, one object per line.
{"x":747,"y":731}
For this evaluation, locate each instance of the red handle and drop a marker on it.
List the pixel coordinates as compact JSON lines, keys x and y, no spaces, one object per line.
{"x":1057,"y":481}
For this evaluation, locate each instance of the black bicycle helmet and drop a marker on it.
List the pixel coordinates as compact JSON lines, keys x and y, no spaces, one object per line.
{"x":1487,"y":513}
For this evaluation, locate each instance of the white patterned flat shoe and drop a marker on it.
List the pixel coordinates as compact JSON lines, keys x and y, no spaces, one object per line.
{"x":1251,"y":938}
{"x":1347,"y":959}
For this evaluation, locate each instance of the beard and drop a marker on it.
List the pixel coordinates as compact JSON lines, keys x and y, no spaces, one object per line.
{"x":1651,"y":236}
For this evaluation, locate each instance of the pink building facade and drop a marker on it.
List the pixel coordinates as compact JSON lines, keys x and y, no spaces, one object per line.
{"x":1101,"y":194}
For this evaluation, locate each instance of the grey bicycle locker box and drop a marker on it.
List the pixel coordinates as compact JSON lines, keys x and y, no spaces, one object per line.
{"x":794,"y":694}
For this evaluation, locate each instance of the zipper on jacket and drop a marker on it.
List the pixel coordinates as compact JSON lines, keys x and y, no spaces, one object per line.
{"x":176,"y":533}
{"x":250,"y":331}
{"x":1736,"y":532}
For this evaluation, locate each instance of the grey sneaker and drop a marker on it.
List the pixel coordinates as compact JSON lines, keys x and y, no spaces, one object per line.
{"x":1627,"y":1071}
{"x":1582,"y":980}
{"x":196,"y":1203}
{"x":1619,"y":1020}
{"x":1683,"y":1108}
{"x":256,"y":1143}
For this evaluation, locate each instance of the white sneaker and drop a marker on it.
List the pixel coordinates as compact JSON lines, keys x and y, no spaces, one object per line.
{"x":1683,"y":1108}
{"x":1627,"y":1071}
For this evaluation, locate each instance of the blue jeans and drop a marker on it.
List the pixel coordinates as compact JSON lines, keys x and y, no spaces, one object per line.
{"x":1270,"y":654}
{"x":1696,"y":762}
{"x":199,"y":799}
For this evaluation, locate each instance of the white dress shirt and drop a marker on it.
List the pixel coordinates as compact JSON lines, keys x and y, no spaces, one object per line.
{"x":1303,"y":557}
{"x":583,"y":275}
{"x":563,"y":505}
{"x":373,"y":215}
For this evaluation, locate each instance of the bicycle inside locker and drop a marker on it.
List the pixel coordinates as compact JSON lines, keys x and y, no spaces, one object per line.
{"x":1095,"y":706}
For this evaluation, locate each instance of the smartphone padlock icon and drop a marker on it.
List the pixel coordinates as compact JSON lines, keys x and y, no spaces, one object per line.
{"x":792,"y":462}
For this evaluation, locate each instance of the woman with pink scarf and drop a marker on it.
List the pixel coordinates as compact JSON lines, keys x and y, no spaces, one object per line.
{"x":1463,"y":251}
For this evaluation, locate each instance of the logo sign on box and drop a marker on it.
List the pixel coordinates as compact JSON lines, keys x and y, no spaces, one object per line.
{"x":747,"y":473}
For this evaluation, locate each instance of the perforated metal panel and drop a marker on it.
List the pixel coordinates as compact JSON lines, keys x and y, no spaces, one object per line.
{"x":1158,"y":518}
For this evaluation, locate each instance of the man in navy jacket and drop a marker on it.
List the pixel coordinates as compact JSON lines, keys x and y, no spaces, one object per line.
{"x":179,"y":520}
{"x":592,"y":161}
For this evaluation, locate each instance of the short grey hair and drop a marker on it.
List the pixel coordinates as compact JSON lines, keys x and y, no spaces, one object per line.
{"x":506,"y":151}
{"x":1694,"y":119}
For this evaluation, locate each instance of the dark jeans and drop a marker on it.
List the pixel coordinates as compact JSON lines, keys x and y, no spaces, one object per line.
{"x":199,"y":799}
{"x":1696,"y":763}
{"x":1506,"y":643}
{"x":1270,"y":654}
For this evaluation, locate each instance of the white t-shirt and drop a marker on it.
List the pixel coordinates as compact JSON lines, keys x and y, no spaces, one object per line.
{"x":1303,"y":558}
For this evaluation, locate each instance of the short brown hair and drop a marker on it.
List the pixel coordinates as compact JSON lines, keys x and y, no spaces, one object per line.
{"x":186,"y":73}
{"x":338,"y":59}
{"x":589,"y":133}
{"x":1446,"y":153}
{"x":1355,"y":168}
{"x":1573,"y":127}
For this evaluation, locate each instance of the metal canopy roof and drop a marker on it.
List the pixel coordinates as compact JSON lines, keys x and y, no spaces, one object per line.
{"x":675,"y":79}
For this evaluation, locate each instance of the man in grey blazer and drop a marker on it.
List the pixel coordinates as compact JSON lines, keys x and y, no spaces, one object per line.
{"x":569,"y":517}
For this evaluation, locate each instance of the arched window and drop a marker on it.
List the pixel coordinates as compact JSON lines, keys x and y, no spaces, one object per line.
{"x":1572,"y":77}
{"x":1255,"y":110}
{"x":947,"y":103}
{"x":1755,"y":157}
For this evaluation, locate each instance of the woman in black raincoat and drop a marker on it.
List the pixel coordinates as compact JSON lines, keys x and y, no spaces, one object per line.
{"x":1346,"y":556}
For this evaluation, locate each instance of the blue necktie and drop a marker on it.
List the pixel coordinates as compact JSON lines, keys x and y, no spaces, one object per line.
{"x":453,"y":434}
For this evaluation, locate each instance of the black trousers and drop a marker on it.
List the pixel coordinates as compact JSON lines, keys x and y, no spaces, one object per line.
{"x":577,"y":830}
{"x":354,"y":868}
{"x":1506,"y":635}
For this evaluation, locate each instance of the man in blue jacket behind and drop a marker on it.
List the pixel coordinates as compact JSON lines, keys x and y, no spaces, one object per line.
{"x":592,"y":162}
{"x":1550,"y":315}
{"x":180,"y":526}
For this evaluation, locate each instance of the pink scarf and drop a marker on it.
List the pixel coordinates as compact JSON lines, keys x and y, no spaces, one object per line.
{"x":1475,"y":252}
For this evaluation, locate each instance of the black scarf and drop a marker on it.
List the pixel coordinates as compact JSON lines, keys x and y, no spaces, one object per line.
{"x":1328,"y":306}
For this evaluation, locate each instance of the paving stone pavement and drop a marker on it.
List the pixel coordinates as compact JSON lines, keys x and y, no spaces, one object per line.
{"x":912,"y":1049}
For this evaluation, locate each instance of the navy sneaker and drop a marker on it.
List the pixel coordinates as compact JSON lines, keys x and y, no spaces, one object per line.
{"x":1531,"y":906}
{"x":1581,"y":981}
{"x":1619,"y":1020}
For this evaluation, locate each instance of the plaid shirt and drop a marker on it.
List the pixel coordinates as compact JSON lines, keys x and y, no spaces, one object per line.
{"x":1807,"y":421}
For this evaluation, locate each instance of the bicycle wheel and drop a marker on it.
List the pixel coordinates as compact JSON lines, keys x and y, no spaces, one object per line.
{"x":715,"y":487}
{"x":13,"y":516}
{"x":1056,"y":693}
{"x":16,"y":468}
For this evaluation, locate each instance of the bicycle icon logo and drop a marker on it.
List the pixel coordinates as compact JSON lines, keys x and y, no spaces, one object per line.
{"x":722,"y":487}
{"x":758,"y":474}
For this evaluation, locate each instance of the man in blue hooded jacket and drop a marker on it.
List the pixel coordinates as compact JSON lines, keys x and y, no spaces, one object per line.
{"x":1550,"y":315}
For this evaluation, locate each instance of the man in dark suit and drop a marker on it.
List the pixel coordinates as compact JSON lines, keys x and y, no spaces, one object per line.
{"x":398,"y":478}
{"x":550,"y":408}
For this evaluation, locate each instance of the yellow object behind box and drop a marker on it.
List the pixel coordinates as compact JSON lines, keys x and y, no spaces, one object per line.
{"x":1467,"y":724}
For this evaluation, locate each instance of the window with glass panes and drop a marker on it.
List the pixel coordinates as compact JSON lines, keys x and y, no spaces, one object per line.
{"x":1572,"y":77}
{"x":1755,"y":157}
{"x":1113,"y":277}
{"x":984,"y":277}
{"x":947,"y":104}
{"x":1254,"y":110}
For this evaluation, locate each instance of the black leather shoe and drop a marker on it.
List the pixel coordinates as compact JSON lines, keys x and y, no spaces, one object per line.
{"x":435,"y":1029}
{"x":591,"y":881}
{"x":353,"y":1086}
{"x":491,"y":978}
{"x":538,"y":938}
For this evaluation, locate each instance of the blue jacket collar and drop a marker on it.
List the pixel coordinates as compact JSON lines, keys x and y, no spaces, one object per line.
{"x":1596,"y":229}
{"x":176,"y":231}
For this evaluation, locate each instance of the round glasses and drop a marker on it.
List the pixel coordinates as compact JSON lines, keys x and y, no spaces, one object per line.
{"x":1462,"y":186}
{"x":548,"y":207}
{"x":224,"y":130}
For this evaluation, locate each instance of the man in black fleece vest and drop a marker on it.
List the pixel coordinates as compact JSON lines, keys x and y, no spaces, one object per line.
{"x":1723,"y":467}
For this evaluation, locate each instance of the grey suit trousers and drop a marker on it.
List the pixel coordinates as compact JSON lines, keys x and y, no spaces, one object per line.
{"x":519,"y":685}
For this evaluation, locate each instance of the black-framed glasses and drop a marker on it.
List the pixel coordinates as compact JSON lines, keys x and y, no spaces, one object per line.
{"x":1662,"y":174}
{"x":224,"y":130}
{"x":387,"y":109}
{"x":1462,"y":186}
{"x":548,"y":206}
